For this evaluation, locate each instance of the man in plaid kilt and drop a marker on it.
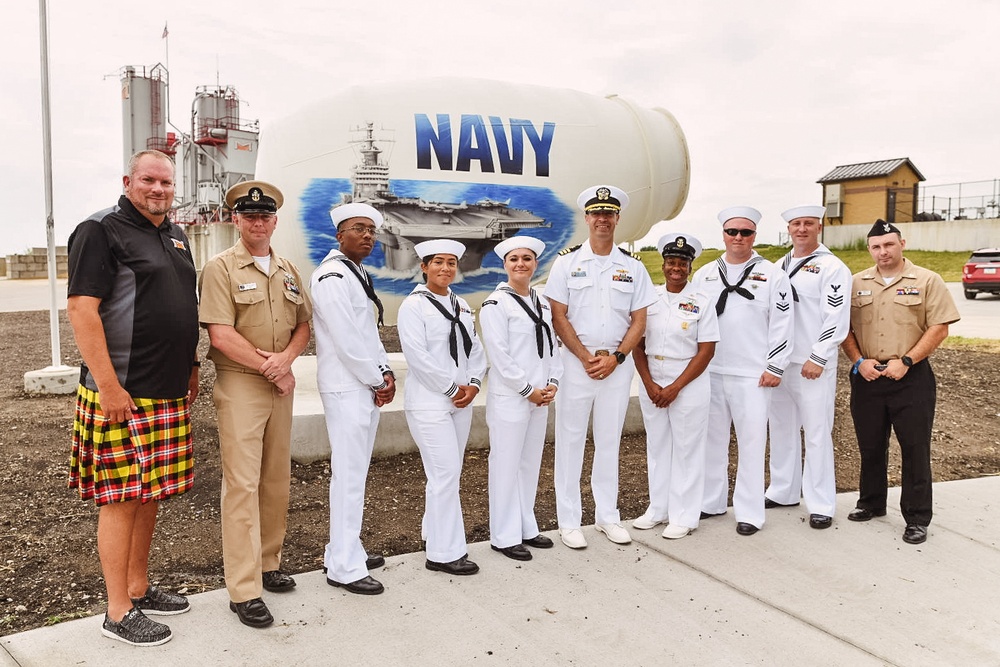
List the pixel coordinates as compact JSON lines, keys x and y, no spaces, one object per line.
{"x":132,"y":305}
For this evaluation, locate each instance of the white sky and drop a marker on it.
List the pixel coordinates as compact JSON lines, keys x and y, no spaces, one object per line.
{"x":771,"y":95}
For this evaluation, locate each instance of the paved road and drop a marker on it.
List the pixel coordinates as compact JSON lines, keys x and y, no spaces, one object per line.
{"x":980,"y":316}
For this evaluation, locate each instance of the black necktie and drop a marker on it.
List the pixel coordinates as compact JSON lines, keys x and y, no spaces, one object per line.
{"x":541,"y":328}
{"x":720,"y":307}
{"x":784,"y":267}
{"x":456,"y":325}
{"x":366,"y":283}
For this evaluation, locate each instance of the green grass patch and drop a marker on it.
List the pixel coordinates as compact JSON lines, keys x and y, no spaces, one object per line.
{"x":975,"y":344}
{"x":947,"y":264}
{"x":60,"y":618}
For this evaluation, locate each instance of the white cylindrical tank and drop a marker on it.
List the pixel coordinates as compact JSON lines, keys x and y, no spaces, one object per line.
{"x":469,"y":159}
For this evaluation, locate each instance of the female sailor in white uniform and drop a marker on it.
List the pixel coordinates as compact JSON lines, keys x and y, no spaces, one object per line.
{"x":446,"y":363}
{"x":524,"y":376}
{"x":681,"y":332}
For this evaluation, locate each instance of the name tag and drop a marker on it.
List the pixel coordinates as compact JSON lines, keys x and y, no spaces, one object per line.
{"x":864,"y":292}
{"x":248,"y":286}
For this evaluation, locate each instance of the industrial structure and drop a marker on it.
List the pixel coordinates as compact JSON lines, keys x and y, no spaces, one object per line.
{"x":218,"y":150}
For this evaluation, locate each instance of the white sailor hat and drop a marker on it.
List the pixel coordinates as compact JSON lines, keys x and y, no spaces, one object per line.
{"x":355,"y":210}
{"x":255,"y":196}
{"x":439,"y":247}
{"x":804,"y":212}
{"x":677,"y":244}
{"x":602,"y":198}
{"x":751,"y":214}
{"x":513,"y":243}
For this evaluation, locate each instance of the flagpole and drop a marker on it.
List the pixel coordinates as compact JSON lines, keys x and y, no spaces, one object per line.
{"x":54,"y":379}
{"x":50,"y":227}
{"x":166,"y":48}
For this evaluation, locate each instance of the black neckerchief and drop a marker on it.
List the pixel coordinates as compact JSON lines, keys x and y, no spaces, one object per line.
{"x":455,"y":320}
{"x":720,"y":306}
{"x":784,"y":267}
{"x":366,"y":283}
{"x":541,"y":328}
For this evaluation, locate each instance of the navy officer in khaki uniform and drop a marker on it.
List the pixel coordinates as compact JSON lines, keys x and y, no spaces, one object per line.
{"x":255,"y":307}
{"x":900,"y":313}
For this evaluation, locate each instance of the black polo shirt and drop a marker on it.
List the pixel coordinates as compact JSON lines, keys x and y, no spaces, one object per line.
{"x":146,"y":280}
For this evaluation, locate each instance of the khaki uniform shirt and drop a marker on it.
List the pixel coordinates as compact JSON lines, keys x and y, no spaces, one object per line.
{"x":888,"y":320}
{"x":264,"y":309}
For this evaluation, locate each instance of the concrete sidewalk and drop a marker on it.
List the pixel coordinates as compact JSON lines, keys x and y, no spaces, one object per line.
{"x":855,"y":594}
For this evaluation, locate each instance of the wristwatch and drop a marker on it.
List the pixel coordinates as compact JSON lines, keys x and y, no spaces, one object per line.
{"x":620,"y":356}
{"x":906,"y":361}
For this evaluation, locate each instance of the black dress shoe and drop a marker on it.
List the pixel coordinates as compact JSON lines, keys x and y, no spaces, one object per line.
{"x":771,"y":504}
{"x":364,"y":586}
{"x":915,"y":534}
{"x":277,"y":581}
{"x":375,"y":561}
{"x":744,"y":528}
{"x":253,"y":613}
{"x":517,"y":552}
{"x":820,"y":521}
{"x":461,"y":567}
{"x":539,"y":541}
{"x":862,"y":514}
{"x":709,"y":515}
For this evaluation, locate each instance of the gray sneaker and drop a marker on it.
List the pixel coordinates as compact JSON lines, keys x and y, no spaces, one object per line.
{"x":158,"y":602}
{"x":137,"y":630}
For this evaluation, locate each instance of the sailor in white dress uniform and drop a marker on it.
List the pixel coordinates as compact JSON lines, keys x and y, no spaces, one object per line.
{"x":681,"y":332}
{"x":446,"y":363}
{"x":598,"y":294}
{"x":754,"y":304}
{"x":525,"y":368}
{"x":803,"y":402}
{"x":354,"y":381}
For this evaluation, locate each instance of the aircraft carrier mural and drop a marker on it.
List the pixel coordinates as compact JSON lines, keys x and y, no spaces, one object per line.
{"x":479,"y":215}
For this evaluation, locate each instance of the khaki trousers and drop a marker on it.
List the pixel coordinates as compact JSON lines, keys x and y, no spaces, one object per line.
{"x":255,"y":425}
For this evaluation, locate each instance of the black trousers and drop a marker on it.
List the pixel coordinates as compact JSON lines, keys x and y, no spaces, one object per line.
{"x":906,"y":406}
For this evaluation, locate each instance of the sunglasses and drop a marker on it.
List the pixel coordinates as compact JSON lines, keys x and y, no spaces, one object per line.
{"x":745,"y":233}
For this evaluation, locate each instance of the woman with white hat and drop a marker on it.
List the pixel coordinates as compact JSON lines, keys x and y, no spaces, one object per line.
{"x":524,"y":377}
{"x":681,"y":332}
{"x":446,"y":363}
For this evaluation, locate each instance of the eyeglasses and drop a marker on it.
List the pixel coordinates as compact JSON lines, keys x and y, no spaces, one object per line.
{"x":740,"y":232}
{"x":362,"y":230}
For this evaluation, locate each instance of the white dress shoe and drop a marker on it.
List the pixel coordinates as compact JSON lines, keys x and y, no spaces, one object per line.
{"x":615,"y":532}
{"x":573,"y":538}
{"x":646,"y":521}
{"x":674,"y":532}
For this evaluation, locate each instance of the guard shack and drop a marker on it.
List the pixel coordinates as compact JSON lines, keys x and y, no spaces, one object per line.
{"x":856,"y":194}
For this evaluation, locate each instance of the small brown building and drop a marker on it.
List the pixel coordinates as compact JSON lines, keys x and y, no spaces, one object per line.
{"x":858,"y":194}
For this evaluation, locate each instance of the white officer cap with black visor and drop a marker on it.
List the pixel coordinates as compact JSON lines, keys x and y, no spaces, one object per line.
{"x":602,"y":198}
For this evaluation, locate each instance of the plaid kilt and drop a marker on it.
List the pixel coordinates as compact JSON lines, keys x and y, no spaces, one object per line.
{"x":150,"y":457}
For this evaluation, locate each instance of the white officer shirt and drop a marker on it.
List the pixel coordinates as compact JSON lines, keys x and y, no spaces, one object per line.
{"x":349,"y":352}
{"x":600,"y":293}
{"x":822,"y":312}
{"x":433,"y":376}
{"x":676,"y":323}
{"x":511,"y":343}
{"x":755,"y":335}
